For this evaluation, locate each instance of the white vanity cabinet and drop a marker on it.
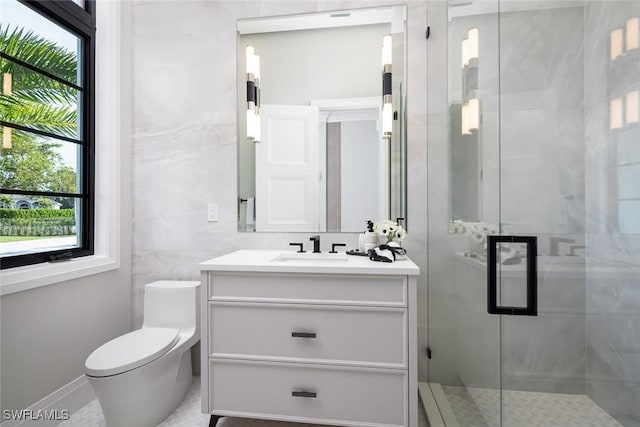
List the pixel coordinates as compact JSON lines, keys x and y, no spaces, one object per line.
{"x":324,"y":342}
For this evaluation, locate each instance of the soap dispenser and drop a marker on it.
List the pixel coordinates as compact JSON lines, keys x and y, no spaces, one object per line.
{"x":370,"y":238}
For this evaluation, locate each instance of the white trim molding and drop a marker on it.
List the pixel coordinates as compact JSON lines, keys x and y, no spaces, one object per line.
{"x":66,"y":400}
{"x":109,"y":135}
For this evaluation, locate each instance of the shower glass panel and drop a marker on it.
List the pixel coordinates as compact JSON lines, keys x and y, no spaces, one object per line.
{"x":540,"y":325}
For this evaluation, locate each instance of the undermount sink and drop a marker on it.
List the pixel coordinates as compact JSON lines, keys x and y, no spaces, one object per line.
{"x":311,"y":257}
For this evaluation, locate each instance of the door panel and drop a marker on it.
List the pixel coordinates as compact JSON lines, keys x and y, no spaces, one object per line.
{"x":288,"y":169}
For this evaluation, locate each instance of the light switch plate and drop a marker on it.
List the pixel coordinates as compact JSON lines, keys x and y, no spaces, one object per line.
{"x":212,"y":212}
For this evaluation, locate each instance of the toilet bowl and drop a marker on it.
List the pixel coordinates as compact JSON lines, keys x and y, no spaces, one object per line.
{"x":141,"y":377}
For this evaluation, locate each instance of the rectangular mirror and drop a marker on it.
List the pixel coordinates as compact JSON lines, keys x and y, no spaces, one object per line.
{"x":320,"y":148}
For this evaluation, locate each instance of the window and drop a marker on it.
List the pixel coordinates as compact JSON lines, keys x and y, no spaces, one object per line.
{"x":47,"y":52}
{"x":628,"y":176}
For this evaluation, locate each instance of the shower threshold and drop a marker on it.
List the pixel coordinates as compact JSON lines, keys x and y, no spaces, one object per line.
{"x":455,"y":406}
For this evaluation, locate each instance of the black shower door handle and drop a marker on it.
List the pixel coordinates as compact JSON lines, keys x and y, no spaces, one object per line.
{"x":532,"y":276}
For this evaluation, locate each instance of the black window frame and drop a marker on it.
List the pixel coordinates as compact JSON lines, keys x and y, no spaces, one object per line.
{"x":82,"y":23}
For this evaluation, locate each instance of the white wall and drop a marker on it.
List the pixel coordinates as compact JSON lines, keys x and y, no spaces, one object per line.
{"x":185,"y":137}
{"x":48,"y":332}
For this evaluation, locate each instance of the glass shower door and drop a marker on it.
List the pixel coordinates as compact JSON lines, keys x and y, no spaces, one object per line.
{"x":568,"y":176}
{"x":464,"y":340}
{"x":533,"y":287}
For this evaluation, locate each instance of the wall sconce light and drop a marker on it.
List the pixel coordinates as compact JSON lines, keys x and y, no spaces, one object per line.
{"x":615,"y":113}
{"x":632,"y":107}
{"x":464,"y":49}
{"x":7,"y":90}
{"x":253,"y":94}
{"x":624,"y":110}
{"x":470,"y":116}
{"x":633,"y":33}
{"x":472,"y":36}
{"x":616,"y":40}
{"x":474,"y":113}
{"x":470,"y":47}
{"x":465,"y":119}
{"x":387,"y":97}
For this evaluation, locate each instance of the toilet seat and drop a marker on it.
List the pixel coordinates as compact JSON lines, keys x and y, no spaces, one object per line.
{"x":130,"y":351}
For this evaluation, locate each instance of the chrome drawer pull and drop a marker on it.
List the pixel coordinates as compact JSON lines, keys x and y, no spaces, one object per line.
{"x":303,"y":334}
{"x":304,"y":394}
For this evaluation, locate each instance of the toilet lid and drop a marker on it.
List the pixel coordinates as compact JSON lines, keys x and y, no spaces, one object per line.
{"x":130,"y":351}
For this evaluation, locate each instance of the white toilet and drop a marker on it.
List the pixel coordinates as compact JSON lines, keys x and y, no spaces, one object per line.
{"x":141,"y":377}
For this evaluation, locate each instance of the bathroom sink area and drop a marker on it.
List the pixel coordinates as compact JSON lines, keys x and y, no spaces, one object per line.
{"x":311,"y":257}
{"x":265,"y":260}
{"x":300,"y":322}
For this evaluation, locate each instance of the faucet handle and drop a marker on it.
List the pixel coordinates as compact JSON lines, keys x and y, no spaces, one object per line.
{"x":333,"y":247}
{"x":300,"y":247}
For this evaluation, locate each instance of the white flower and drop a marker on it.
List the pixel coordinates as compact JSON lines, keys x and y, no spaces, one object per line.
{"x":390,"y":230}
{"x":478,"y":231}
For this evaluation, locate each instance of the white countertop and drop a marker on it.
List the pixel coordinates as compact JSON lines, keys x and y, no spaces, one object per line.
{"x":559,"y":266}
{"x":260,"y":260}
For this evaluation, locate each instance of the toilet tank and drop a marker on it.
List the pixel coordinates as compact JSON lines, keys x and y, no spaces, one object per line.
{"x":172,"y":304}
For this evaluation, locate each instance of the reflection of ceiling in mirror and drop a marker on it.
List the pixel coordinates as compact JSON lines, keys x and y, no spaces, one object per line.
{"x":462,"y":8}
{"x":394,"y":15}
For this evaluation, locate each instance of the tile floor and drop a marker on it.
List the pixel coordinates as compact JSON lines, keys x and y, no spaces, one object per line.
{"x":479,"y":407}
{"x":187,"y":415}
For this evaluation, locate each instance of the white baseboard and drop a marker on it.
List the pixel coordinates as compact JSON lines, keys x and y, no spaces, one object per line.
{"x":69,"y":397}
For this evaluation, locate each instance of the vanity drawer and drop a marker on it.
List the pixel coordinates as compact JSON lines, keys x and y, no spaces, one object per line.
{"x":343,"y":334}
{"x":309,"y":288}
{"x":308,"y":393}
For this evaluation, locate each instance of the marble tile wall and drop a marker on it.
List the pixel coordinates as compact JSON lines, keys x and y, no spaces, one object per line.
{"x":612,"y":297}
{"x":184,"y":137}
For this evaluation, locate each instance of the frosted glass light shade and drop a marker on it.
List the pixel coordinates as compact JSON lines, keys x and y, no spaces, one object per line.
{"x":249,"y":61}
{"x":387,"y":50}
{"x":464,"y":49}
{"x":253,"y":106}
{"x":615,"y":113}
{"x":474,"y":114}
{"x":632,"y":107}
{"x":253,"y":125}
{"x":465,"y":120}
{"x":472,"y":44}
{"x":616,"y":42}
{"x":633,"y":33}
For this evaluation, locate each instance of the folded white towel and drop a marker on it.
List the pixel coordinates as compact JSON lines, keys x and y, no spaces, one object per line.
{"x":250,"y":217}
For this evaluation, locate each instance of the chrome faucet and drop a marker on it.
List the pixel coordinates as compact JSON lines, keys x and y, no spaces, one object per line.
{"x":554,"y":243}
{"x":316,"y":243}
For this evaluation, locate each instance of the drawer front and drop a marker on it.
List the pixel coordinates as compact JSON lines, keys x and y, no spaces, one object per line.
{"x":354,"y":335}
{"x":308,"y":393}
{"x":316,"y":289}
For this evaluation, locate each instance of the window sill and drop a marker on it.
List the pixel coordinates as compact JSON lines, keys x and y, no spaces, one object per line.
{"x":34,"y":276}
